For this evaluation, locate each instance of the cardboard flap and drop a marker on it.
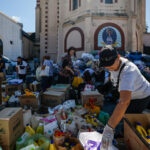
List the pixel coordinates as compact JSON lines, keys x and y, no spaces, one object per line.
{"x":7,"y":113}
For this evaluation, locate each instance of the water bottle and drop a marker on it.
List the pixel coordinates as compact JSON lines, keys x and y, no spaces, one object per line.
{"x":21,"y":140}
{"x":40,"y":128}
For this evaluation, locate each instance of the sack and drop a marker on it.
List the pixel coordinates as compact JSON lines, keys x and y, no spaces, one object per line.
{"x":77,"y":81}
{"x":45,"y":72}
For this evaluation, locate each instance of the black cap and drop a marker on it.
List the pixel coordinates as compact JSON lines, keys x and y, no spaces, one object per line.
{"x":107,"y":56}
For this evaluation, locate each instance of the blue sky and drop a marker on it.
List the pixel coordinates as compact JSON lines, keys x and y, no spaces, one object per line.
{"x":24,"y":11}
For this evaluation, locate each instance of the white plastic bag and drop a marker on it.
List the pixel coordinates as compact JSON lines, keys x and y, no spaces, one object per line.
{"x":92,"y":141}
{"x":50,"y":128}
{"x":69,"y":104}
{"x":45,"y":72}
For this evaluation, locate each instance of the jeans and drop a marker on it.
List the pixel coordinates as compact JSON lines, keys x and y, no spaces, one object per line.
{"x":22,"y":76}
{"x":46,"y":82}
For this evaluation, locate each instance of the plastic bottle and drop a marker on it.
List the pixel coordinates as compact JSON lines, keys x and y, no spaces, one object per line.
{"x":148,"y":131}
{"x":52,"y":146}
{"x":40,"y":128}
{"x":0,"y":148}
{"x":21,"y":140}
{"x":29,"y":130}
{"x":103,"y":117}
{"x":141,"y":130}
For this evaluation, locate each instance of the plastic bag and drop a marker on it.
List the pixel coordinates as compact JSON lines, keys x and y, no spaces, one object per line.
{"x":45,"y":72}
{"x":86,"y":57}
{"x":69,"y":126}
{"x":50,"y":128}
{"x":77,"y":81}
{"x":92,"y":141}
{"x":69,"y":104}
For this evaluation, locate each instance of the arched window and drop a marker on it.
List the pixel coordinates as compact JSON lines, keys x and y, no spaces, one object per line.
{"x":75,"y":38}
{"x":1,"y":47}
{"x":108,"y":1}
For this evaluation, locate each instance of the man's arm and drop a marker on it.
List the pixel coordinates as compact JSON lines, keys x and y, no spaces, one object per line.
{"x":125,"y":98}
{"x":17,"y":69}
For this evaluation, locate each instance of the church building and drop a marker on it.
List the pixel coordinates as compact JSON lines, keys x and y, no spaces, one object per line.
{"x":89,"y":25}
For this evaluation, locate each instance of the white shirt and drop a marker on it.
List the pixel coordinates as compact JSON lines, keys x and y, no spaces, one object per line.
{"x":21,"y":70}
{"x":131,"y":79}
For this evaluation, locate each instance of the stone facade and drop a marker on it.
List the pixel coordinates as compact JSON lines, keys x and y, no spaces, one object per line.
{"x":89,"y":25}
{"x":10,"y":37}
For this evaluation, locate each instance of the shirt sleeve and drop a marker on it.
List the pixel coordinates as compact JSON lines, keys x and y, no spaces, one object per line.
{"x":127,"y":80}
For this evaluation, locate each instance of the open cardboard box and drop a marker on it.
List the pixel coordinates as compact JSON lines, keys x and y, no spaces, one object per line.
{"x":133,"y":139}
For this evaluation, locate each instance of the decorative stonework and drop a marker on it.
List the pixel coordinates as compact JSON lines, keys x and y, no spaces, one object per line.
{"x":109,"y":34}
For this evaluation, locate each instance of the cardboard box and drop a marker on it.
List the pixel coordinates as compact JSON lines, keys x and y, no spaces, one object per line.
{"x":30,"y":101}
{"x":11,"y":126}
{"x":10,"y":89}
{"x":9,"y":147}
{"x":133,"y":139}
{"x":52,"y":98}
{"x":61,"y":88}
{"x":35,"y":87}
{"x":86,"y":95}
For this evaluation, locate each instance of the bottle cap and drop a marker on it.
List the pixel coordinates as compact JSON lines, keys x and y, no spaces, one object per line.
{"x":52,"y":142}
{"x":139,"y":124}
{"x":148,"y":137}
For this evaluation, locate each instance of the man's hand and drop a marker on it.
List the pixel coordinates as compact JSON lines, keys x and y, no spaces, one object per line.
{"x":108,"y":135}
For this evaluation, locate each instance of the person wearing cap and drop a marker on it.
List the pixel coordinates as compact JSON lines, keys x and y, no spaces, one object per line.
{"x":133,"y":88}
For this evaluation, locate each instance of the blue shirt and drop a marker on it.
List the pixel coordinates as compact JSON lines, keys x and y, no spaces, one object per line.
{"x":50,"y":65}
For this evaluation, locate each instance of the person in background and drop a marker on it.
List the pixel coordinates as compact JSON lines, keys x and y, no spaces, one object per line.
{"x":67,"y":70}
{"x":133,"y":88}
{"x":21,"y":68}
{"x":70,"y":56}
{"x":66,"y":73}
{"x":46,"y":81}
{"x":89,"y":76}
{"x":2,"y":64}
